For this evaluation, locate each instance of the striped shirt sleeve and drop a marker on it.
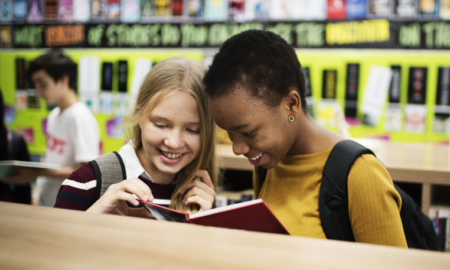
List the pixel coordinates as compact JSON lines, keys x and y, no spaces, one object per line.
{"x":78,"y":191}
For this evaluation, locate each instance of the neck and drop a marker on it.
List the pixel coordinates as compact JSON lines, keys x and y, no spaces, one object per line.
{"x":68,"y":100}
{"x":311,"y":137}
{"x":157,"y":176}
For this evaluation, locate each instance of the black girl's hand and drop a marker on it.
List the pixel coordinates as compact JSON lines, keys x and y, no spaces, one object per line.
{"x":114,"y":199}
{"x":200,"y":191}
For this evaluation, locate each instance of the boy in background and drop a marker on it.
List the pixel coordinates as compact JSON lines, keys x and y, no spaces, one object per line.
{"x":72,"y":130}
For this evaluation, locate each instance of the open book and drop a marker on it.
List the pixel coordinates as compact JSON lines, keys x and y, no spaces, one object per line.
{"x":251,"y":215}
{"x":7,"y":167}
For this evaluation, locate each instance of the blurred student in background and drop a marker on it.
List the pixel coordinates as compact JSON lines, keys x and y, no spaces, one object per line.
{"x":170,"y":157}
{"x":72,"y":130}
{"x":12,"y":147}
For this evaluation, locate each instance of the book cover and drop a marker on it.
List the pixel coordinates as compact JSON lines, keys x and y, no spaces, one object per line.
{"x":81,"y":10}
{"x":314,"y":10}
{"x":255,"y":10}
{"x":20,"y":74}
{"x":113,"y":10}
{"x":442,"y":109}
{"x":277,"y":10}
{"x":406,"y":8}
{"x":130,"y":11}
{"x":445,"y":9}
{"x":380,"y":8}
{"x":294,"y":10}
{"x":162,"y":9}
{"x":252,"y":215}
{"x":35,"y":11}
{"x":20,"y":10}
{"x":236,"y":10}
{"x":329,"y":82}
{"x":65,"y":11}
{"x":51,"y":10}
{"x":356,"y":9}
{"x":429,"y":8}
{"x":216,"y":10}
{"x":336,"y":10}
{"x":6,"y":10}
{"x":308,"y":91}
{"x":394,"y":114}
{"x":99,"y":10}
{"x":351,"y":90}
{"x":5,"y":37}
{"x":7,"y":167}
{"x":147,"y":9}
{"x":195,"y":8}
{"x":177,"y":7}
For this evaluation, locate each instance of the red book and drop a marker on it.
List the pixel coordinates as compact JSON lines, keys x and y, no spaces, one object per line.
{"x":251,"y":216}
{"x":336,"y":10}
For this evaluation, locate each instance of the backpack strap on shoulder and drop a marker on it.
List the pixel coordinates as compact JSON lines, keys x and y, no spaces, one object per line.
{"x":109,"y":169}
{"x":333,"y":196}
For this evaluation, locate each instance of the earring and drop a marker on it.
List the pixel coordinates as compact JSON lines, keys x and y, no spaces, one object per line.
{"x":291,"y":118}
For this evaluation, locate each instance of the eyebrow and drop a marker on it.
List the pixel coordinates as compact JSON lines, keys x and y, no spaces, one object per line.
{"x":236,"y":128}
{"x":157,"y":117}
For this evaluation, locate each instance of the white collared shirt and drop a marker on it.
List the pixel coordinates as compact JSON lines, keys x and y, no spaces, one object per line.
{"x":132,"y":164}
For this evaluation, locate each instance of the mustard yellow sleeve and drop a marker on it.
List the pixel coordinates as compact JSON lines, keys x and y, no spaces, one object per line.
{"x":374,"y":204}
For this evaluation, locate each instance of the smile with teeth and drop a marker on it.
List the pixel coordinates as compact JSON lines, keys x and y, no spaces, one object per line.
{"x":256,"y":158}
{"x":171,"y":156}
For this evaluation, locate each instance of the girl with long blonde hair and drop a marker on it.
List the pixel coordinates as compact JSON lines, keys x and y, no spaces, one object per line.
{"x":170,"y":155}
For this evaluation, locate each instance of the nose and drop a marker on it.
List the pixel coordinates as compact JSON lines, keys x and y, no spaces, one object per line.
{"x":174,"y":139}
{"x":240,"y":147}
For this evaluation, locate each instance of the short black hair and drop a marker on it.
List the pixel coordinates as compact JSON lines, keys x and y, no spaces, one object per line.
{"x":56,"y":64}
{"x":261,"y":62}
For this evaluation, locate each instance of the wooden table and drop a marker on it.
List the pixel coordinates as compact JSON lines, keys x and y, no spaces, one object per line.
{"x":33,"y":237}
{"x":427,"y":164}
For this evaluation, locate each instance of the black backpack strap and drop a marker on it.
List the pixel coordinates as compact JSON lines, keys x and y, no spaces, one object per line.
{"x":333,"y":196}
{"x":109,"y":169}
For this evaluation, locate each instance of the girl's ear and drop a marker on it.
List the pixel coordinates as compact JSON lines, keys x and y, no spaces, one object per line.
{"x":293,"y":101}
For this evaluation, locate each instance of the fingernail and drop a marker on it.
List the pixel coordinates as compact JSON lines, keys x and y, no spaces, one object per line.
{"x":150,"y":198}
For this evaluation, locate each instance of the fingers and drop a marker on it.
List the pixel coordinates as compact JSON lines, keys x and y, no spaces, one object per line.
{"x":132,"y":186}
{"x":202,"y":202}
{"x":199,"y":184}
{"x":204,"y":175}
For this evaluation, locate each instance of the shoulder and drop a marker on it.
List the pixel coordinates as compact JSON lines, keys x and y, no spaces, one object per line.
{"x":78,"y":190}
{"x":368,"y":168}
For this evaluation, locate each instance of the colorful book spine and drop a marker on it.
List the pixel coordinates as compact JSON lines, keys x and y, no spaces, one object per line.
{"x":99,"y":10}
{"x":394,"y":115}
{"x":445,"y":9}
{"x":113,"y":10}
{"x":308,"y":91}
{"x":416,"y":110}
{"x":329,"y":82}
{"x":147,"y":10}
{"x":177,"y":7}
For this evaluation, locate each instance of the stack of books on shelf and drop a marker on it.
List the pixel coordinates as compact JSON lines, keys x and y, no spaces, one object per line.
{"x":440,"y":216}
{"x":132,"y":11}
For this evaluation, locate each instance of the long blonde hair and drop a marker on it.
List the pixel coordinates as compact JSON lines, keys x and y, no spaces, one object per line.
{"x":168,"y":76}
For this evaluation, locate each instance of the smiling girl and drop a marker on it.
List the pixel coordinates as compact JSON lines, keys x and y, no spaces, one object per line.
{"x":256,"y":93}
{"x":170,"y":157}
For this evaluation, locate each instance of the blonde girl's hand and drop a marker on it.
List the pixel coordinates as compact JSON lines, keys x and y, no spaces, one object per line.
{"x":200,"y":191}
{"x":114,"y":199}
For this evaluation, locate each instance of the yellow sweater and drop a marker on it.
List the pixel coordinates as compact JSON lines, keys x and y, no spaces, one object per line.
{"x":291,"y":191}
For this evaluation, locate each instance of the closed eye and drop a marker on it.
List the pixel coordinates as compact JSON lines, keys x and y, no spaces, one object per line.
{"x":194,"y":131}
{"x":159,"y":125}
{"x":249,"y":134}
